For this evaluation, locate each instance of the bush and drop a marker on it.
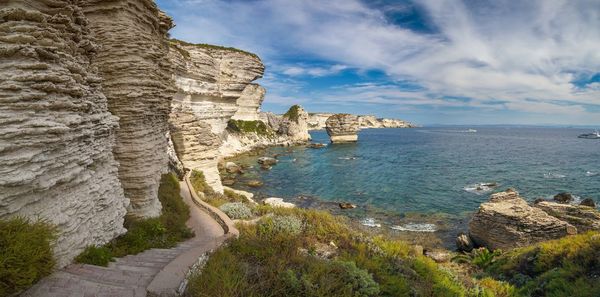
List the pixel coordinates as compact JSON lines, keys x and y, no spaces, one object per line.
{"x":25,"y":253}
{"x":256,"y":127}
{"x":95,"y":255}
{"x":199,"y":183}
{"x":293,"y":113}
{"x":163,"y":232}
{"x":287,"y":225}
{"x":236,"y":210}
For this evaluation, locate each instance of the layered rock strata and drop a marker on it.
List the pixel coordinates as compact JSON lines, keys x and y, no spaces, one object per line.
{"x":342,"y":128}
{"x":316,"y":121}
{"x":210,"y":80}
{"x":56,"y":132}
{"x":294,"y":124}
{"x":584,"y":218}
{"x":507,"y":221}
{"x":137,"y":83}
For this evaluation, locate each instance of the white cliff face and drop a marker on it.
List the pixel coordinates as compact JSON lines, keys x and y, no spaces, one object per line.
{"x":211,"y":84}
{"x":56,"y":132}
{"x":248,"y":105}
{"x":137,"y":83}
{"x":294,"y":124}
{"x":316,"y":121}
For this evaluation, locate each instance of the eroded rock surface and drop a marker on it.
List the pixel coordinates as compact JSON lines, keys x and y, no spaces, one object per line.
{"x":56,"y":132}
{"x":210,"y":81}
{"x":584,"y":218}
{"x":342,"y":128}
{"x":507,"y":221}
{"x":137,"y":82}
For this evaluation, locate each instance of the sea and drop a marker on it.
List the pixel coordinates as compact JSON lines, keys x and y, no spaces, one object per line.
{"x":425,"y":182}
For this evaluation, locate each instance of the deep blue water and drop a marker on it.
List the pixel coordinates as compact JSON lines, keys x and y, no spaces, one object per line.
{"x":425,"y":170}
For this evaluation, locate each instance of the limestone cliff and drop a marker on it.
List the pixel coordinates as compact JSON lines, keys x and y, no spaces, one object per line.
{"x":316,"y":121}
{"x":210,"y":80}
{"x":342,"y":128}
{"x":56,"y":132}
{"x":137,"y":82}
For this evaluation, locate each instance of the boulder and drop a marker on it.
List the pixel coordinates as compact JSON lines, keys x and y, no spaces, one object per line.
{"x":506,"y":221}
{"x":564,"y":197}
{"x":437,"y":255}
{"x":464,"y":243}
{"x":267,"y":161}
{"x":584,"y":218}
{"x":254,"y":183}
{"x":342,"y":128}
{"x":316,"y":145}
{"x":588,"y":202}
{"x":346,"y":205}
{"x":278,"y":202}
{"x":228,"y":182}
{"x":231,"y":167}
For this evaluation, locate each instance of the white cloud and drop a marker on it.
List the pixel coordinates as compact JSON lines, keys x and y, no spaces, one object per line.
{"x":517,"y":52}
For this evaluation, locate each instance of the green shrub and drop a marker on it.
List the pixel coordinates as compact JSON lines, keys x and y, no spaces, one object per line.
{"x":257,"y":127}
{"x":480,"y":257}
{"x":288,"y":225}
{"x":293,"y":113}
{"x":199,"y":183}
{"x":236,"y":210}
{"x":25,"y":253}
{"x":95,"y":255}
{"x":163,"y":232}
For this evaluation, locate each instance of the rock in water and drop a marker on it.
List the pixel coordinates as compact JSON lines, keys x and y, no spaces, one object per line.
{"x":584,"y":218}
{"x":564,"y":198}
{"x":345,"y":205}
{"x":342,"y":128}
{"x":231,"y":167}
{"x":464,"y":243}
{"x":506,"y":221}
{"x":267,"y":161}
{"x":588,"y":202}
{"x":295,"y":124}
{"x":254,"y":183}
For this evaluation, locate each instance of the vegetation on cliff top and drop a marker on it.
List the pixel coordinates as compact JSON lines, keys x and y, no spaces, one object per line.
{"x":300,"y":252}
{"x":257,"y":127}
{"x":293,"y":113}
{"x":163,"y":232}
{"x":209,"y":195}
{"x":213,"y":47}
{"x":25,"y":254}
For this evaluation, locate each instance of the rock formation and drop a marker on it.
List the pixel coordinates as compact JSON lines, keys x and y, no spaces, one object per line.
{"x":342,"y":128}
{"x":584,"y":218}
{"x":316,"y":121}
{"x":56,"y":132}
{"x":248,"y":105}
{"x":294,"y":124}
{"x":210,"y":80}
{"x":137,"y":83}
{"x":507,"y":221}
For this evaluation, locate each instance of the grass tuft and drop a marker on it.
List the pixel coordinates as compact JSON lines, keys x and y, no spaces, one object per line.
{"x":256,"y":127}
{"x":25,"y":253}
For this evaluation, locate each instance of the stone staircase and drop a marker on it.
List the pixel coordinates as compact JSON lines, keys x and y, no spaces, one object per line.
{"x":155,"y":272}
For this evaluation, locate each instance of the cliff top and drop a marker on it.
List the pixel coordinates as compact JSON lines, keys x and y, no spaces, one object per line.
{"x":214,"y":47}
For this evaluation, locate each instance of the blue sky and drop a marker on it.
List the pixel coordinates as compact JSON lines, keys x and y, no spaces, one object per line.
{"x":429,"y":61}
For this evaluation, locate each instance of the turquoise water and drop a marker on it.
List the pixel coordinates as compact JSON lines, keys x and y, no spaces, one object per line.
{"x":426,"y":170}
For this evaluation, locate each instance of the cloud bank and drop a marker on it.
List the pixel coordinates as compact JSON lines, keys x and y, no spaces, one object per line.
{"x":532,"y":57}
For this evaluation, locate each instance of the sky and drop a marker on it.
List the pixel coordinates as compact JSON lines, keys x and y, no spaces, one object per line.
{"x":534,"y":62}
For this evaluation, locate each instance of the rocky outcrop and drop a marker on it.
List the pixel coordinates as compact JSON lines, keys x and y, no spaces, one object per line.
{"x":294,"y":124}
{"x":137,"y":83}
{"x":210,"y":81}
{"x":316,"y":121}
{"x":342,"y":128}
{"x":584,"y":218}
{"x":506,"y":221}
{"x":56,"y":132}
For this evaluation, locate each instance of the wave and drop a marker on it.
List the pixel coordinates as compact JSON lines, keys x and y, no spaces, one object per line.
{"x":347,"y":158}
{"x":370,"y":222}
{"x":553,"y":175}
{"x":480,"y":188}
{"x":416,"y":227}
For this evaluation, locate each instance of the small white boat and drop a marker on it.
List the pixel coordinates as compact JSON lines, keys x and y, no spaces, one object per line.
{"x":595,"y":135}
{"x":472,"y":131}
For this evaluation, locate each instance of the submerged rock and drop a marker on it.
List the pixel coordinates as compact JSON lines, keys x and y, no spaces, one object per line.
{"x":254,"y":183}
{"x":316,"y":145}
{"x":506,"y":221}
{"x":564,"y":198}
{"x":278,"y":202}
{"x":342,"y":128}
{"x":267,"y":161}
